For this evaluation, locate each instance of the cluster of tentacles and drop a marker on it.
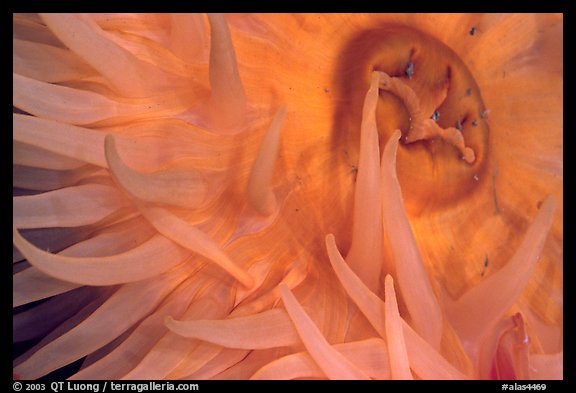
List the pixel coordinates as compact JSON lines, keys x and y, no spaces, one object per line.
{"x":156,"y":238}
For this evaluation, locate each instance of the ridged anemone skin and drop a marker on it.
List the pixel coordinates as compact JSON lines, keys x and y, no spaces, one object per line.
{"x":279,"y":196}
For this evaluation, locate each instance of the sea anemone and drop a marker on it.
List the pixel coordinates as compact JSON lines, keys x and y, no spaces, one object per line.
{"x":288,"y":196}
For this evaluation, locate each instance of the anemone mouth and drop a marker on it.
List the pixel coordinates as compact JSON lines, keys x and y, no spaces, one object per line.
{"x":437,"y":168}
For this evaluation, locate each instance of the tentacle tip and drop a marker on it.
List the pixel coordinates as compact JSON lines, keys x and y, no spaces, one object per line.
{"x":331,"y":246}
{"x":330,"y":238}
{"x":388,"y":280}
{"x":247,"y":281}
{"x":548,"y":203}
{"x":169,"y":321}
{"x":285,"y":291}
{"x":109,"y":147}
{"x":469,"y":155}
{"x":109,"y":142}
{"x":376,"y":78}
{"x":281,"y":111}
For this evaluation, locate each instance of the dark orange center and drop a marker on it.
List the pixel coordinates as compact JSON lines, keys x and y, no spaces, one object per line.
{"x":432,"y":172}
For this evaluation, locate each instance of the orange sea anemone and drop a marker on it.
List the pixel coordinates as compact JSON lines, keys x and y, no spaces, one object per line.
{"x":281,"y":196}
